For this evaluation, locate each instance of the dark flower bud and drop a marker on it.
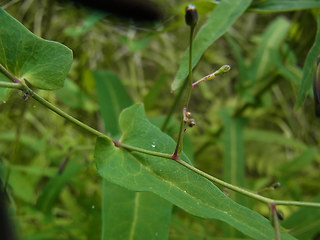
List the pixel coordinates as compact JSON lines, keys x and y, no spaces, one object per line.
{"x":280,"y":215}
{"x":191,"y":122}
{"x":276,"y":185}
{"x":191,"y":15}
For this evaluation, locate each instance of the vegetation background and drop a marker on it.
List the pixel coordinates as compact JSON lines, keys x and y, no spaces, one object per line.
{"x":47,"y":164}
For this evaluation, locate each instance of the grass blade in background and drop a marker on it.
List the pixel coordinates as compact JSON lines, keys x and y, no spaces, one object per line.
{"x":221,"y":18}
{"x":262,"y":63}
{"x":112,"y":98}
{"x":170,"y":180}
{"x":150,"y":99}
{"x":134,"y":215}
{"x":126,"y":214}
{"x":234,"y":164}
{"x":306,"y":82}
{"x":283,"y":5}
{"x":52,"y":189}
{"x":271,"y":40}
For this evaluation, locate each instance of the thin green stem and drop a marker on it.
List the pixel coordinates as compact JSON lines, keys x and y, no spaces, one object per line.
{"x":247,"y":192}
{"x":65,"y":115}
{"x":174,"y":157}
{"x":8,"y":74}
{"x":11,"y":85}
{"x":218,"y":181}
{"x":141,"y":150}
{"x":173,"y":106}
{"x":178,"y":148}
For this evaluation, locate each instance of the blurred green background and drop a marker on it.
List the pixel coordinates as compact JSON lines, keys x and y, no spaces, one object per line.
{"x":46,"y":163}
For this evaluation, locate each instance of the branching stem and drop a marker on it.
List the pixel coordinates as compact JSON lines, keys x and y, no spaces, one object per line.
{"x":178,"y":148}
{"x":174,"y":157}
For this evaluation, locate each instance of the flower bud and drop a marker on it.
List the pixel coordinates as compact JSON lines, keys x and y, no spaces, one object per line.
{"x":191,"y":122}
{"x":191,"y":15}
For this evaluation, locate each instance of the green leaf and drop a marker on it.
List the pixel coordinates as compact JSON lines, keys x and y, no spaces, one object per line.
{"x":233,"y":149}
{"x":52,"y":189}
{"x":112,"y":98}
{"x":273,"y":138}
{"x":308,"y":68}
{"x":234,"y":164}
{"x":271,"y":40}
{"x":305,"y":222}
{"x":283,"y":5}
{"x":133,"y":215}
{"x":150,"y":99}
{"x":292,"y":168}
{"x":168,"y":179}
{"x":72,"y":95}
{"x":4,"y":93}
{"x":42,"y":63}
{"x":220,"y":19}
{"x":89,"y":21}
{"x":233,"y":142}
{"x":126,"y":214}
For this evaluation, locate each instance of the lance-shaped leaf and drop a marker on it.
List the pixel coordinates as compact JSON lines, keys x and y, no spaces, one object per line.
{"x":170,"y":180}
{"x":133,"y":215}
{"x":126,"y":214}
{"x":307,"y":75}
{"x":221,"y":18}
{"x":283,"y":5}
{"x":42,"y":63}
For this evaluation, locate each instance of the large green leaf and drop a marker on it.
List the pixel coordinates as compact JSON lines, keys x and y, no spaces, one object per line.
{"x":306,"y":82}
{"x":221,"y":18}
{"x":126,"y":214}
{"x":170,"y":180}
{"x":42,"y":63}
{"x":133,"y":215}
{"x":283,"y":5}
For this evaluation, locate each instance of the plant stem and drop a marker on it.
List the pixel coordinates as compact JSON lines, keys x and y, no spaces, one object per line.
{"x":65,"y":115}
{"x":247,"y":192}
{"x":178,"y":148}
{"x":242,"y":191}
{"x":275,"y":221}
{"x":218,"y":181}
{"x":8,"y":74}
{"x":141,"y":150}
{"x":173,"y":106}
{"x":11,"y":85}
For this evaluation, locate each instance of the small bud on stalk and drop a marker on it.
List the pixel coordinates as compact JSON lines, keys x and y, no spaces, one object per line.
{"x":191,"y":15}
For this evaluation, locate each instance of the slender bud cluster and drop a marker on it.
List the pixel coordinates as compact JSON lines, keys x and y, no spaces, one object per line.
{"x":188,"y":120}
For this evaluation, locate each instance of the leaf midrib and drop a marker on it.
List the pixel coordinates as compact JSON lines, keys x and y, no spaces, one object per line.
{"x":193,"y":197}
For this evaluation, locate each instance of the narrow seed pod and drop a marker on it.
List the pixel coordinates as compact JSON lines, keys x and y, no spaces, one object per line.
{"x":191,"y":15}
{"x":316,"y":88}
